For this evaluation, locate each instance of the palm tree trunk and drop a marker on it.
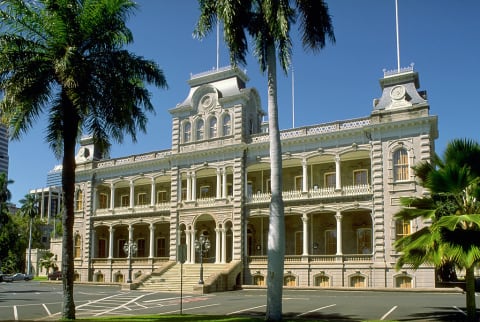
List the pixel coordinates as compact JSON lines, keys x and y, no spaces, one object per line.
{"x":276,"y":231}
{"x":68,"y":185}
{"x":470,"y":296}
{"x":29,"y":262}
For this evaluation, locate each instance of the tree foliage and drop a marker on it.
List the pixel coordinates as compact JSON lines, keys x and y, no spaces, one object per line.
{"x":453,"y":210}
{"x":66,"y":59}
{"x":268,"y":24}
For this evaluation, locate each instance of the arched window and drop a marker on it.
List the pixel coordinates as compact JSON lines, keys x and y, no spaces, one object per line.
{"x":200,"y":130}
{"x":187,"y":132}
{"x":357,"y":281}
{"x":322,"y":281}
{"x":400,"y":165}
{"x":213,"y":127}
{"x":78,"y":246}
{"x":259,"y":280}
{"x":79,"y":200}
{"x":403,"y":281}
{"x":289,"y":280}
{"x":227,"y":125}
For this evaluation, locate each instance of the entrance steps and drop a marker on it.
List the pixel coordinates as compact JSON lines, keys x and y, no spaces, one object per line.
{"x":171,"y":279}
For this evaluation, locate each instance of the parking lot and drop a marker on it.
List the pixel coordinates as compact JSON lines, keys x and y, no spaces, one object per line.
{"x":31,"y":300}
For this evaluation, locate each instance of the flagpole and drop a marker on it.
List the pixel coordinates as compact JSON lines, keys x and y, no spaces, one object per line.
{"x":398,"y":36}
{"x":218,"y":43}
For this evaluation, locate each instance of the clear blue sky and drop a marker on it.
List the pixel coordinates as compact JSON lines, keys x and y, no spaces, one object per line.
{"x":442,"y":38}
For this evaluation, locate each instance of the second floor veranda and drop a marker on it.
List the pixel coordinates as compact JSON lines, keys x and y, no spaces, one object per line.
{"x":328,"y":176}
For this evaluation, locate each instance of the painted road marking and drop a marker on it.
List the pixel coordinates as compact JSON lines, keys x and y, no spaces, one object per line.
{"x":15,"y":313}
{"x":388,"y":313}
{"x":124,"y":305}
{"x":190,"y":308}
{"x":251,"y":308}
{"x":461,"y":311}
{"x":320,"y":308}
{"x":46,"y":309}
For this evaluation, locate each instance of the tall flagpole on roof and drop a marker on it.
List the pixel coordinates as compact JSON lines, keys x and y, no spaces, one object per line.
{"x":293,"y":98}
{"x":398,"y":36}
{"x":218,"y":43}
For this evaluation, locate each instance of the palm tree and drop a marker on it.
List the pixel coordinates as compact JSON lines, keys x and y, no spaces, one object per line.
{"x":66,"y":58}
{"x":5,"y":196}
{"x":29,"y":208}
{"x":268,"y":23}
{"x":453,"y":208}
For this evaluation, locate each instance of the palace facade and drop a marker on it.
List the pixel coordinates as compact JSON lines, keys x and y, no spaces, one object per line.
{"x":141,"y":216}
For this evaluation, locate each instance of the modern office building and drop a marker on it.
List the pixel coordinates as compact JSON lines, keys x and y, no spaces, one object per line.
{"x":142,"y":215}
{"x":4,"y":149}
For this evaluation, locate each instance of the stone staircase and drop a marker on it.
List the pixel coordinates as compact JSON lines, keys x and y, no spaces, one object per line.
{"x":170,"y":279}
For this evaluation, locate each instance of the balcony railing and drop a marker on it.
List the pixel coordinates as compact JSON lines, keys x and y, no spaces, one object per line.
{"x":315,"y":258}
{"x":318,"y":193}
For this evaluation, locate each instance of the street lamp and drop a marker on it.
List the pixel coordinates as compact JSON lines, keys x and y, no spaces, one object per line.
{"x":202,"y":245}
{"x":130,"y":248}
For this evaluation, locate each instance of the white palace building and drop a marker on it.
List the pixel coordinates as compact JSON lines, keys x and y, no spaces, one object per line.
{"x":139,"y":218}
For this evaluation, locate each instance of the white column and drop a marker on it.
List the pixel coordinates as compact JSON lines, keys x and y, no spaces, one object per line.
{"x":95,"y":199}
{"x":224,"y":183}
{"x":218,"y":259}
{"x":305,"y":234}
{"x":111,"y":230}
{"x":223,"y":232}
{"x":179,"y":187}
{"x":112,"y":196}
{"x":188,"y":244}
{"x":189,"y":186}
{"x":219,"y":184}
{"x":338,"y":217}
{"x":304,"y":176}
{"x":132,"y":193}
{"x":338,"y":183}
{"x":152,"y":241}
{"x":194,"y":186}
{"x":192,"y":245}
{"x":152,"y":193}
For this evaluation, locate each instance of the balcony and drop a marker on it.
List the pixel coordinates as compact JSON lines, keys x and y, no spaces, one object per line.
{"x":137,"y":209}
{"x":318,"y":193}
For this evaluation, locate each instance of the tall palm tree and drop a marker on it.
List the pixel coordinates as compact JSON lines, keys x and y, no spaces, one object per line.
{"x":268,"y":23}
{"x":30,"y":209}
{"x":453,"y":208}
{"x":66,"y":58}
{"x":5,"y":196}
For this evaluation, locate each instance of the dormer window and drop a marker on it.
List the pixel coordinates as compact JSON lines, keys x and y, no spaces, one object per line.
{"x":187,"y":132}
{"x":213,"y":127}
{"x":200,"y":130}
{"x":227,"y":125}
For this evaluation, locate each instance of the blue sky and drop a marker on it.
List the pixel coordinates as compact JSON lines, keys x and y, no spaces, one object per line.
{"x":441,"y":37}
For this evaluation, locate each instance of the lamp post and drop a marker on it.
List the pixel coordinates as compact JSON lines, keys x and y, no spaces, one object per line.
{"x":130,"y":249}
{"x":202,"y":245}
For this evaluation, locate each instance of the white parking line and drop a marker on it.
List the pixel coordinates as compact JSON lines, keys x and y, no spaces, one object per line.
{"x":15,"y":313}
{"x":46,"y":309}
{"x":388,"y":313}
{"x":190,"y":308}
{"x":320,"y":308}
{"x":124,"y":305}
{"x":456,"y":308}
{"x":251,"y":308}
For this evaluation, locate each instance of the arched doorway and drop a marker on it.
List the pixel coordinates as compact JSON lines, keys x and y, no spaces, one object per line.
{"x":205,"y":226}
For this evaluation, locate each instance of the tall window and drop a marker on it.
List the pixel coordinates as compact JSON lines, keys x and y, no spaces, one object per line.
{"x":142,"y":199}
{"x":78,"y":248}
{"x":79,"y":201}
{"x":187,"y":132}
{"x":161,"y":247}
{"x":125,"y":200}
{"x":103,"y":201}
{"x":102,"y":248}
{"x":162,"y":196}
{"x":402,"y":228}
{"x":298,"y":183}
{"x":400,"y":165}
{"x":227,"y":125}
{"x":330,"y":180}
{"x":213,"y":127}
{"x":364,"y":241}
{"x":330,"y":242}
{"x":141,"y":247}
{"x":360,"y":177}
{"x":200,"y":130}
